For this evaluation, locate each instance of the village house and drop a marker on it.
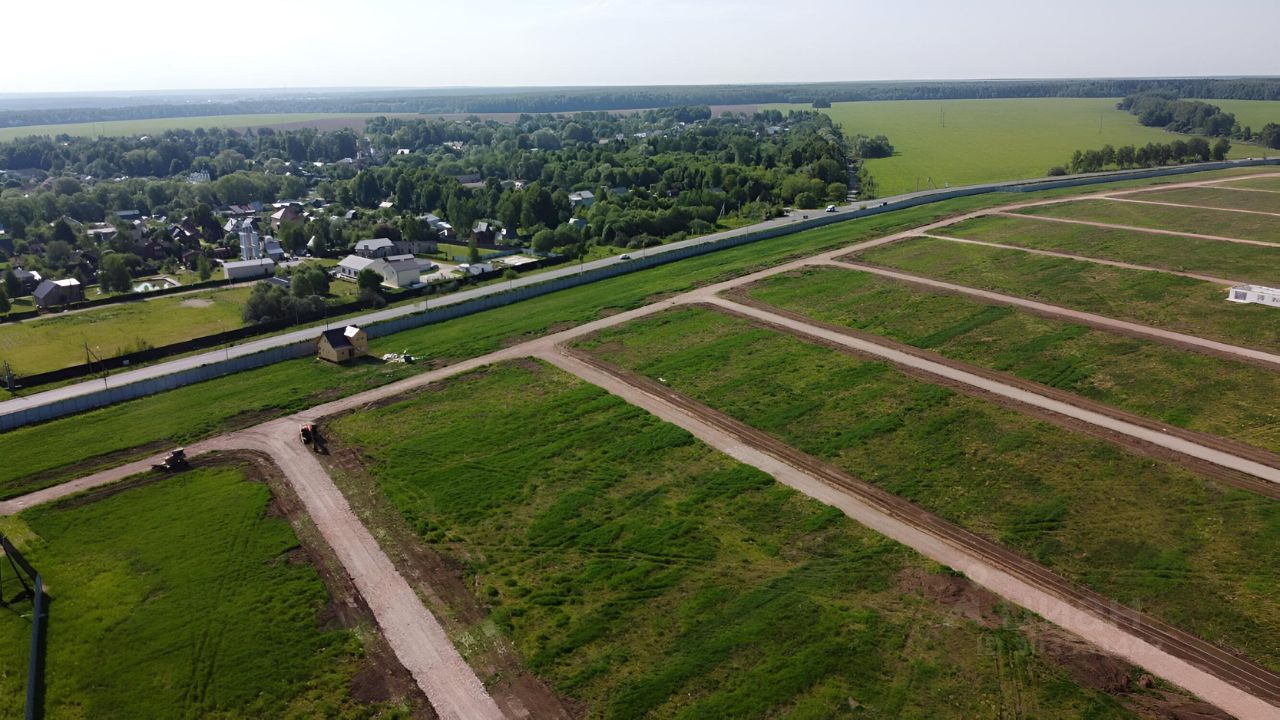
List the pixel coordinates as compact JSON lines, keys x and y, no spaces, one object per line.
{"x":484,"y":232}
{"x":342,"y":344}
{"x":396,"y":271}
{"x":582,"y":198}
{"x":375,"y":248}
{"x":284,"y":215}
{"x":54,"y":293}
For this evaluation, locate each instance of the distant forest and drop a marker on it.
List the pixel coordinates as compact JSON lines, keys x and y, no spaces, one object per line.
{"x":558,"y":100}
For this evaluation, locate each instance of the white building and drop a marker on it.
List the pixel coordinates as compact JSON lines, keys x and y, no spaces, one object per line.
{"x":1255,"y":294}
{"x":397,"y":271}
{"x":249,"y":269}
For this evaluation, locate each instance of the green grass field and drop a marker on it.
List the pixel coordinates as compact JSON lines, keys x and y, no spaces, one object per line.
{"x":963,"y":142}
{"x":1215,"y":198}
{"x":116,"y":128}
{"x":1231,"y":261}
{"x":41,"y":455}
{"x":1163,"y":217}
{"x":1254,"y":114}
{"x":55,"y":341}
{"x":1175,"y":386}
{"x":180,"y":598}
{"x":1151,"y":298}
{"x":1148,"y":534}
{"x":1261,"y":183}
{"x":645,"y":575}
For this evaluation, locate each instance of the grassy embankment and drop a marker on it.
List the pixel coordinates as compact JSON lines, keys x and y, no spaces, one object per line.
{"x":1230,"y":261}
{"x":1151,"y":298}
{"x":184,"y":597}
{"x":644,"y":574}
{"x":1159,"y":381}
{"x":964,"y":142}
{"x":42,"y":455}
{"x":1164,"y":217}
{"x":1151,"y":535}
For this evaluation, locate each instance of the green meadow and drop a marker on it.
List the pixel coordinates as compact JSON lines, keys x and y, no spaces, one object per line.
{"x":643,"y":574}
{"x":1163,"y":382}
{"x":964,"y":142}
{"x":1158,"y":299}
{"x":1231,"y":261}
{"x":1148,"y":534}
{"x":183,"y":597}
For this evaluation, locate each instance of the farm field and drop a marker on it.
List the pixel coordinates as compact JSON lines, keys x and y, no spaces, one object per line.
{"x":180,"y":597}
{"x":116,"y":128}
{"x":1254,"y":114}
{"x":643,"y":574}
{"x":1231,"y":261}
{"x":1166,"y":383}
{"x":55,"y":341}
{"x":1214,"y":197}
{"x":1152,"y":298}
{"x":42,"y":455}
{"x":964,"y":142}
{"x":1241,"y":226}
{"x":1145,"y":533}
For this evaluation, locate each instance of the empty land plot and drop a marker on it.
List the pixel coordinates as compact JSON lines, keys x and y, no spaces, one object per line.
{"x":961,"y":142}
{"x":1152,"y":298}
{"x":1212,"y":197}
{"x":1222,"y":223}
{"x":1165,"y":383}
{"x":644,"y":574}
{"x":58,"y":341}
{"x":184,"y":597}
{"x":1235,"y":261}
{"x":1261,"y":183}
{"x":1151,"y":535}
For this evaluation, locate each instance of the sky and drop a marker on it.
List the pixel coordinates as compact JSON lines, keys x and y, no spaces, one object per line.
{"x":95,"y":46}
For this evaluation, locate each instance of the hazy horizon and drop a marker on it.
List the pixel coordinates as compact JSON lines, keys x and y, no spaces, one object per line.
{"x":150,"y":46}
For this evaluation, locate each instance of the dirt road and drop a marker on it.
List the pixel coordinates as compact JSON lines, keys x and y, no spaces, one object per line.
{"x":1235,"y":685}
{"x":1083,"y":258}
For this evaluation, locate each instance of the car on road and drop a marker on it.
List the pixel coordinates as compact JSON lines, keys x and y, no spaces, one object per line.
{"x":624,"y":256}
{"x":831,"y":208}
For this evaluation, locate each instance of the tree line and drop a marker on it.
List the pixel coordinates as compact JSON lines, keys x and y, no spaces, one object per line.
{"x":1191,"y":150}
{"x":559,"y":100}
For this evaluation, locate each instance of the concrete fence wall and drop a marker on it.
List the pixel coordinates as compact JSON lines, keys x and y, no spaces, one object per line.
{"x":110,"y":395}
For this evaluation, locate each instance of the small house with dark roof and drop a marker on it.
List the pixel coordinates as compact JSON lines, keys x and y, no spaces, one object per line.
{"x":342,"y":344}
{"x":55,"y":293}
{"x":375,"y":248}
{"x":484,"y":232}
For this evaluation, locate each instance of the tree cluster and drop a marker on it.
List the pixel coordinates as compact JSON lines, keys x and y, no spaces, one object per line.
{"x":1196,"y":149}
{"x":1183,"y":116}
